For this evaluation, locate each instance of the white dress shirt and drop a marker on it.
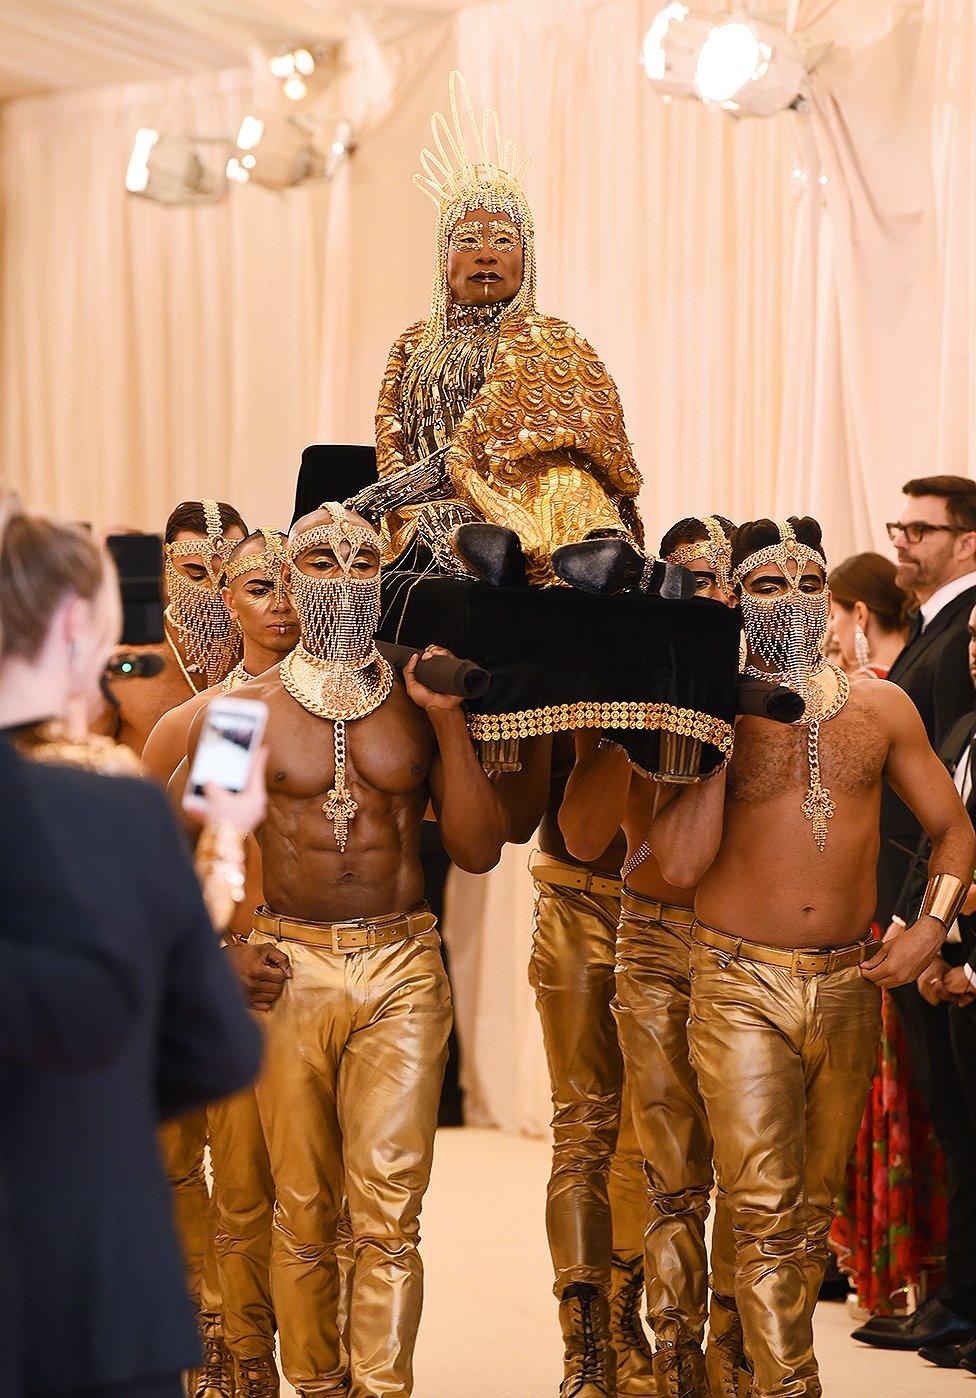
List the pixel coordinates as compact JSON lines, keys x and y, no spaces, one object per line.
{"x":947,"y":593}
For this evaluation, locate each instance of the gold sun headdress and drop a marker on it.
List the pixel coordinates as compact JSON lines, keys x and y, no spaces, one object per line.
{"x":470,"y":167}
{"x":716,"y":548}
{"x":209,"y":637}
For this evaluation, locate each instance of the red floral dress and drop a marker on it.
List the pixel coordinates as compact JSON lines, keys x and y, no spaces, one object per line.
{"x":890,"y":1229}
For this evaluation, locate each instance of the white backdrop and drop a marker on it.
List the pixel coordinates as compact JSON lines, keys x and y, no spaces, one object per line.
{"x":780,"y":344}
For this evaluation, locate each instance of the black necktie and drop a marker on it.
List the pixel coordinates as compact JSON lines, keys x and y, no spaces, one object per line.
{"x":915,"y":630}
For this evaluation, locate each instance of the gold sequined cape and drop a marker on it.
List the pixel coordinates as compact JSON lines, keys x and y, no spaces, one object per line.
{"x":542,"y":447}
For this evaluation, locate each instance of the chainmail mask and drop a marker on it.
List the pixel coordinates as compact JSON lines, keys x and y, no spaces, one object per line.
{"x":336,"y":671}
{"x":208,"y":636}
{"x":787,"y":634}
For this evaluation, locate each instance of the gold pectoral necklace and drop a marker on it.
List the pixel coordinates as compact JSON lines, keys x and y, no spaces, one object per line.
{"x":340,"y":692}
{"x":818,"y":807}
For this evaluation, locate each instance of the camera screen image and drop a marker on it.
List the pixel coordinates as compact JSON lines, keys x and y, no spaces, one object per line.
{"x":223,"y":756}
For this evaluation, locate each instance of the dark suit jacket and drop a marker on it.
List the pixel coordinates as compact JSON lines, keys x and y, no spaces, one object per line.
{"x":104,"y":1299}
{"x":934,"y":672}
{"x":67,"y":1002}
{"x":953,"y":751}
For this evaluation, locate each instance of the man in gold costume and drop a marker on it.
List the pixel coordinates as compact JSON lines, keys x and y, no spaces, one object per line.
{"x":539,"y":480}
{"x":257,"y":600}
{"x":653,"y":988}
{"x":356,"y":1039}
{"x":781,"y":846}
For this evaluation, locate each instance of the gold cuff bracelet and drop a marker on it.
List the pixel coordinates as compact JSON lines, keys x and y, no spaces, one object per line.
{"x":944,"y":896}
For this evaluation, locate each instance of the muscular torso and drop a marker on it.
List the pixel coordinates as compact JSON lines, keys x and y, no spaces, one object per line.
{"x":388,"y":759}
{"x":770,"y":882}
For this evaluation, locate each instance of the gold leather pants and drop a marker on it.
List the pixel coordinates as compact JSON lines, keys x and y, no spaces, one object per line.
{"x":784,"y":1061}
{"x":243,"y":1208}
{"x":651,"y":1009}
{"x":182,"y":1143}
{"x":355,"y":1049}
{"x":596,"y":1203}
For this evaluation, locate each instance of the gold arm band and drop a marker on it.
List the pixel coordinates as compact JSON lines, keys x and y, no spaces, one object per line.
{"x":944,"y":896}
{"x":220,"y":869}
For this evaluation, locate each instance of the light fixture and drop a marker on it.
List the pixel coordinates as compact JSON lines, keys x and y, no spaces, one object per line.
{"x":275,"y":151}
{"x":750,"y":68}
{"x":671,"y":48}
{"x":295,"y":88}
{"x":177,"y":169}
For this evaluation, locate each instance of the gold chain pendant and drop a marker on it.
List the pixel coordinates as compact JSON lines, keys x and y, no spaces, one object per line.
{"x":340,"y":806}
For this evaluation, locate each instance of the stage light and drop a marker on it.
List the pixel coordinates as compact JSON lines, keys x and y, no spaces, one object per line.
{"x":751,"y":69}
{"x":671,"y":48}
{"x":294,"y":88}
{"x":304,"y":62}
{"x":252,"y":129}
{"x":177,"y":169}
{"x":277,"y":152}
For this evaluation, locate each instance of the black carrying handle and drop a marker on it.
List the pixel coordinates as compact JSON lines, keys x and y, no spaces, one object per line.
{"x":444,"y":674}
{"x":763,"y":700}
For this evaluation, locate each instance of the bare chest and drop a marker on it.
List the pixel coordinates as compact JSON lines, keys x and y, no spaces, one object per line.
{"x":771,"y":759}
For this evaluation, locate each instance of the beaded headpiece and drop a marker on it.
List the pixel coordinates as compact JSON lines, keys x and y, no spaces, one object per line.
{"x":787,"y":550}
{"x":470,"y":168}
{"x":272,"y":561}
{"x":209,"y":637}
{"x":716,"y":548}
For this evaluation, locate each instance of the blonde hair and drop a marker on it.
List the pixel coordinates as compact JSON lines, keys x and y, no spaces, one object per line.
{"x":42,"y":563}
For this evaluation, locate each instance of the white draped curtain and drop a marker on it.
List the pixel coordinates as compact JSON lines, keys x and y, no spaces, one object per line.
{"x":780,"y":343}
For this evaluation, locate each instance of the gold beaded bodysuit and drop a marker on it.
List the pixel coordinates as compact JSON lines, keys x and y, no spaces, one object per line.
{"x":531,"y":418}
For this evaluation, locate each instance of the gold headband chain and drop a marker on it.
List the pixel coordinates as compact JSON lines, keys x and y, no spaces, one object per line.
{"x":343,"y":530}
{"x":716,"y":549}
{"x":787,"y":550}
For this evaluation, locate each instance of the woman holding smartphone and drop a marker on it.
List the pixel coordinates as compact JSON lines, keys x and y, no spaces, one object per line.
{"x":101,"y":1277}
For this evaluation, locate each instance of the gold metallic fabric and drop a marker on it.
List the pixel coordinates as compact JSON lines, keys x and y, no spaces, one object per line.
{"x":653,"y":990}
{"x":182,"y":1143}
{"x":243,"y":1207}
{"x":355,"y":1049}
{"x":546,"y":868}
{"x":563,"y":718}
{"x":540,"y":446}
{"x":784,"y":1062}
{"x":596,"y":1202}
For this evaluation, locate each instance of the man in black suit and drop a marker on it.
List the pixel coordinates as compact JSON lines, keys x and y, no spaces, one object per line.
{"x":103,"y":1301}
{"x":935,"y":539}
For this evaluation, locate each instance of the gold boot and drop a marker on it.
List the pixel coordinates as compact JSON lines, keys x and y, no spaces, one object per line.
{"x":635,"y":1371}
{"x":216,"y":1378}
{"x":725,"y":1361}
{"x":680,"y":1371}
{"x":588,"y":1358}
{"x":257,"y":1378}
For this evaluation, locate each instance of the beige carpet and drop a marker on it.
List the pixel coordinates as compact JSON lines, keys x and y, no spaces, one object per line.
{"x":489,"y":1327}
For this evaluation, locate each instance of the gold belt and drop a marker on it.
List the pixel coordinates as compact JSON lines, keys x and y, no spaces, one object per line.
{"x":655,"y":911}
{"x":561,"y":874}
{"x":802,"y":961}
{"x":362,"y":934}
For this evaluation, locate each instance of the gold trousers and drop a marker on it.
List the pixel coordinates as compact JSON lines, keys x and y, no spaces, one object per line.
{"x":243,"y":1209}
{"x":355,"y":1049}
{"x":596,"y":1203}
{"x":182,"y":1143}
{"x":784,"y":1061}
{"x":651,"y":1009}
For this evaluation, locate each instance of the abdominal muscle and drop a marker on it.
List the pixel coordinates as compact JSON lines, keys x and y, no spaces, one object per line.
{"x":771,"y":884}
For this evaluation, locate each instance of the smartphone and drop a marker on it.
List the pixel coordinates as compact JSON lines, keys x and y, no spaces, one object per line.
{"x":232,"y":733}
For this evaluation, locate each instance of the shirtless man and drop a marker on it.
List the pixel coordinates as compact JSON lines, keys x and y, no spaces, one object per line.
{"x":653,"y":950}
{"x":256,"y":598}
{"x":357,"y":1041}
{"x":200,"y":644}
{"x":781,"y":846}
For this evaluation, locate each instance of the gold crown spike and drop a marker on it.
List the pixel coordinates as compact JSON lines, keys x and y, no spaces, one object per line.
{"x":452,"y":171}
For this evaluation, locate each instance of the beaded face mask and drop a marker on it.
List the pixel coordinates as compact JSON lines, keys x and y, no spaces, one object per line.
{"x":716,"y":550}
{"x":471,"y":168}
{"x":339,"y":616}
{"x":209,"y":638}
{"x":786,"y":632}
{"x":337,"y":673}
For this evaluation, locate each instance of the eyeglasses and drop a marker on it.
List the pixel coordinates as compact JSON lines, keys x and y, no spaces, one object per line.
{"x":915,"y":530}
